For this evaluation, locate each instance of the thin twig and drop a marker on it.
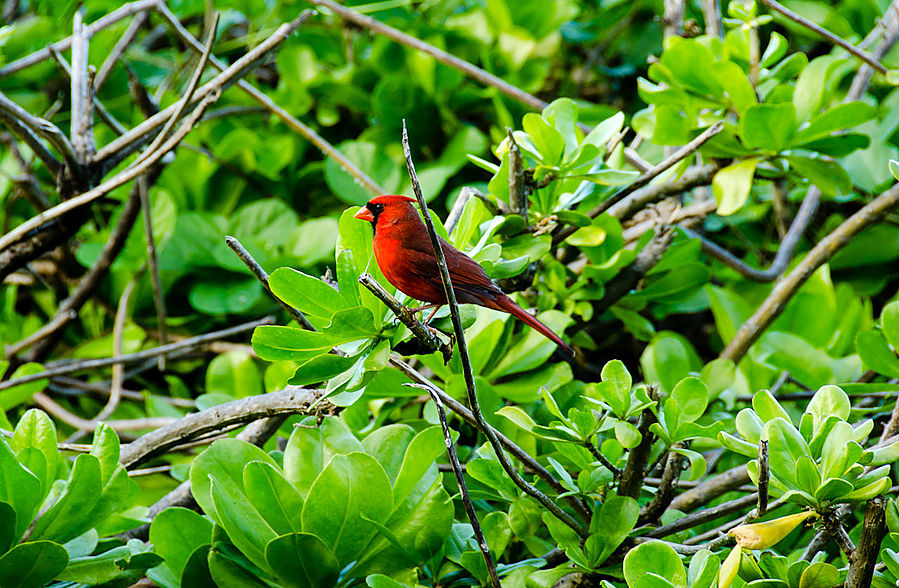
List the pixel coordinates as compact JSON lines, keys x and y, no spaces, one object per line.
{"x":863,"y":560}
{"x":863,"y":55}
{"x":764,"y":473}
{"x":518,"y":197}
{"x":262,"y":276}
{"x":291,"y":400}
{"x":82,"y":109}
{"x":443,"y":57}
{"x":784,"y":290}
{"x":463,"y":488}
{"x":665,"y":492}
{"x":462,"y":346}
{"x":50,"y":406}
{"x":835,"y":529}
{"x":712,"y":13}
{"x":43,"y":338}
{"x":118,"y":330}
{"x":126,"y":39}
{"x":890,"y":25}
{"x":39,"y":127}
{"x":188,"y":95}
{"x":530,"y":464}
{"x":102,"y":112}
{"x":632,"y":476}
{"x":111,"y":184}
{"x":703,"y":516}
{"x":648,"y":176}
{"x":26,"y":135}
{"x":153,"y":265}
{"x":69,"y":367}
{"x":293,"y":123}
{"x":457,"y":407}
{"x":784,"y":253}
{"x":602,"y":459}
{"x":452,"y":219}
{"x":427,"y":338}
{"x":113,"y":17}
{"x":113,"y":152}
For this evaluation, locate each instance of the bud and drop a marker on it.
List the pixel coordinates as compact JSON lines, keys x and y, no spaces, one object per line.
{"x":765,"y":535}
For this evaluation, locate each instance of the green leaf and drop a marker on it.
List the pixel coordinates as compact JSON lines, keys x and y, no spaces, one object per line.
{"x":562,"y":114}
{"x":274,"y":498}
{"x":7,"y":527}
{"x":418,"y":458}
{"x":691,"y":397}
{"x":785,"y":447}
{"x":889,"y":321}
{"x":828,"y":176}
{"x":654,"y":557}
{"x":12,"y":397}
{"x":349,"y":486}
{"x":549,"y":142}
{"x":19,"y":488}
{"x":810,"y":86}
{"x":69,"y":516}
{"x":32,"y":564}
{"x":732,"y":185}
{"x":225,"y":459}
{"x":827,"y":401}
{"x":604,"y":131}
{"x":697,"y":462}
{"x":735,"y":84}
{"x":35,"y":432}
{"x":819,"y":575}
{"x":302,"y":560}
{"x":769,"y":127}
{"x":276,"y":343}
{"x":310,"y":448}
{"x":614,"y":521}
{"x":668,"y":359}
{"x":876,"y":354}
{"x":176,"y":533}
{"x":245,"y":527}
{"x":842,"y":116}
{"x":316,"y":299}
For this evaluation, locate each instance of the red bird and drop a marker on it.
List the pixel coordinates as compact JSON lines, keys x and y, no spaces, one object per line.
{"x":406,"y":258}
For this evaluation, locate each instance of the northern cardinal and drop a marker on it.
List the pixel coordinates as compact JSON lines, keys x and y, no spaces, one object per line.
{"x":405,"y":255}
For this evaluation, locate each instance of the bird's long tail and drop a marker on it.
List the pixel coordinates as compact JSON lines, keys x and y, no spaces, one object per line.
{"x":506,"y":304}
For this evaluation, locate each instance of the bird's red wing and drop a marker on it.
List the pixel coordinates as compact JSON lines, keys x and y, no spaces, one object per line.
{"x":470,"y":281}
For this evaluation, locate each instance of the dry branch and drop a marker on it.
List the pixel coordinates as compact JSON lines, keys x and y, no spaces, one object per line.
{"x":774,"y":304}
{"x":291,"y":400}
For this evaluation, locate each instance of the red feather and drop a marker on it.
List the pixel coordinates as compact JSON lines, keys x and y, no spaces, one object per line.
{"x":406,"y":257}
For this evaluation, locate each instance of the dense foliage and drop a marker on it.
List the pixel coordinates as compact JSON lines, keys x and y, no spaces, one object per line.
{"x":701,"y":201}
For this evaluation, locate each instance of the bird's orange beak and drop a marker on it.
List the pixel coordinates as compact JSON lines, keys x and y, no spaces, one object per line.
{"x":365,"y":214}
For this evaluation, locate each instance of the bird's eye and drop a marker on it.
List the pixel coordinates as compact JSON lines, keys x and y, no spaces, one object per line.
{"x":377,"y":207}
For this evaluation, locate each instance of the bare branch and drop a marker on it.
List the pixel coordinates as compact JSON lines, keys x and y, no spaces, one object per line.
{"x":443,"y":57}
{"x":113,"y":183}
{"x":262,"y":276}
{"x":69,"y":367}
{"x":293,"y":123}
{"x":862,"y":562}
{"x":82,"y":111}
{"x":113,"y":17}
{"x":291,"y":400}
{"x":126,"y":39}
{"x":863,"y":55}
{"x":427,"y":338}
{"x":648,"y":176}
{"x":784,"y":290}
